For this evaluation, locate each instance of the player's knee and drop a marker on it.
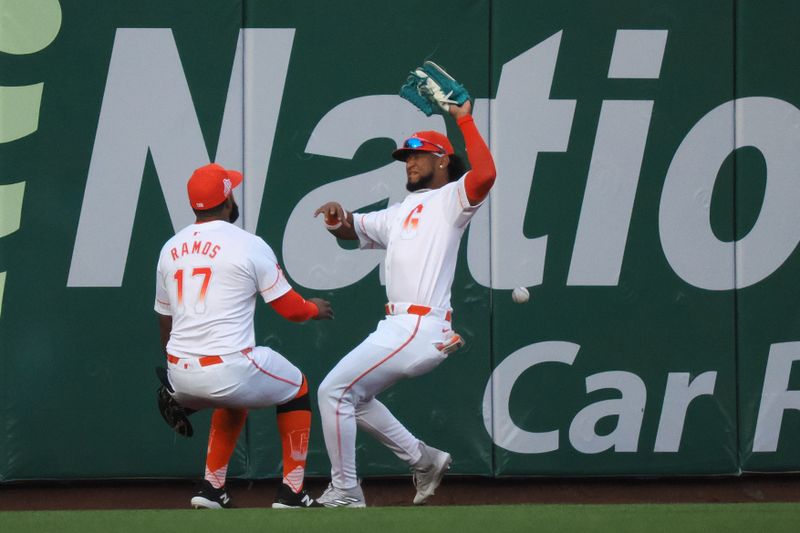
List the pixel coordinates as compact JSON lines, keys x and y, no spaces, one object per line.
{"x":301,"y":401}
{"x":298,"y":403}
{"x":329,"y":392}
{"x":324,"y":391}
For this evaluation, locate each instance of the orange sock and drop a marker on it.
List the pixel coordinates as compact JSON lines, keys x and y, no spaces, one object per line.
{"x":226,"y":424}
{"x":294,"y":425}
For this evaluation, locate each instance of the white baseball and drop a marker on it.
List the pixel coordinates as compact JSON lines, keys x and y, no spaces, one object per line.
{"x":520,"y":295}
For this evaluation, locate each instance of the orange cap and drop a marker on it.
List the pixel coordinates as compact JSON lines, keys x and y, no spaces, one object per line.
{"x":211,"y":185}
{"x":424,"y":141}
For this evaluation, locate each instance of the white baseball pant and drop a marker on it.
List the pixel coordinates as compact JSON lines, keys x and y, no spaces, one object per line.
{"x":250,"y":379}
{"x":402,"y":346}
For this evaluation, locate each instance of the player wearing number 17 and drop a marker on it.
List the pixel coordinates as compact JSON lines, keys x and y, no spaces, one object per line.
{"x":421,"y":236}
{"x":210,"y":275}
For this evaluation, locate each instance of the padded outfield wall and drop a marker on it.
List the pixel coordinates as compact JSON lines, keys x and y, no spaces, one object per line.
{"x":647,"y":194}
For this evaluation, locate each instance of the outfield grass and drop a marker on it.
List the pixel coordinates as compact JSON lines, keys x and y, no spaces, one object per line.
{"x":683,"y":518}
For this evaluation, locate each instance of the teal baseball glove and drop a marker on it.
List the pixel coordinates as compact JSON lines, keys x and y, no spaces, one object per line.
{"x":433,"y":90}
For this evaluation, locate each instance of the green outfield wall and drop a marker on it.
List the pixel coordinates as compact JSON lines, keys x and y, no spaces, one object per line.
{"x":648,"y":157}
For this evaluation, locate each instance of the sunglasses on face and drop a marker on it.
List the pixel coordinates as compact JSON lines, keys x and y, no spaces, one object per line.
{"x":415,"y":143}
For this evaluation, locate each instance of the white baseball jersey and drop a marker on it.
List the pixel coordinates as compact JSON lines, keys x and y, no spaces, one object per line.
{"x":421,"y":236}
{"x":209,"y":275}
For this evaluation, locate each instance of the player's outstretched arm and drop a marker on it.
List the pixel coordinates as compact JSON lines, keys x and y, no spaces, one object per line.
{"x":337,"y":220}
{"x":482,"y":173}
{"x":295,"y":308}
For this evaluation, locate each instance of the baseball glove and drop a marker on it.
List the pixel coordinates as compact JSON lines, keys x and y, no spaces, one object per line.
{"x":452,"y":344}
{"x":174,"y":415}
{"x":432,"y":89}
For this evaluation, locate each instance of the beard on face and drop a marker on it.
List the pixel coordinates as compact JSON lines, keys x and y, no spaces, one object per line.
{"x":421,"y":183}
{"x":234,"y":216}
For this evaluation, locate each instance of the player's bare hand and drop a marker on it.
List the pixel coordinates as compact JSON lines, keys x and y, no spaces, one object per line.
{"x":460,"y":111}
{"x":325,"y":309}
{"x":334,"y":214}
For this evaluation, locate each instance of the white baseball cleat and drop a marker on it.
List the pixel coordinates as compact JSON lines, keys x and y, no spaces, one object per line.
{"x":335,"y":497}
{"x":429,"y":471}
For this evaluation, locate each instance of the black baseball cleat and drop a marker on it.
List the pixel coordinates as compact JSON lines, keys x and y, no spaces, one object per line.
{"x":288,"y":499}
{"x":210,"y":498}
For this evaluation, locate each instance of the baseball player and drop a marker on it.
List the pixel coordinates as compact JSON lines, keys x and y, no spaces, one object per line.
{"x":421,"y":236}
{"x":209,"y":277}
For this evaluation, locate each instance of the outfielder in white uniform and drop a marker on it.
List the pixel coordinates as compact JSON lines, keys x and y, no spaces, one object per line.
{"x":421,"y":236}
{"x":209,"y":277}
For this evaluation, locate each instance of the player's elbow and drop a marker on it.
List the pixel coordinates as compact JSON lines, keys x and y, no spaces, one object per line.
{"x":485,"y":174}
{"x":478,"y":184}
{"x":490,"y":179}
{"x":490,"y":171}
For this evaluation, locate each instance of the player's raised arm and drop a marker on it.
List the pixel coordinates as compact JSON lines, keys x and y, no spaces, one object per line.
{"x":432,"y":90}
{"x":338,"y":221}
{"x":482,"y":174}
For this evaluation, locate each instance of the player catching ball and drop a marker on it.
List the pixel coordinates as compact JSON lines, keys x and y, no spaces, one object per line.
{"x":209,"y":277}
{"x":421,"y":236}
